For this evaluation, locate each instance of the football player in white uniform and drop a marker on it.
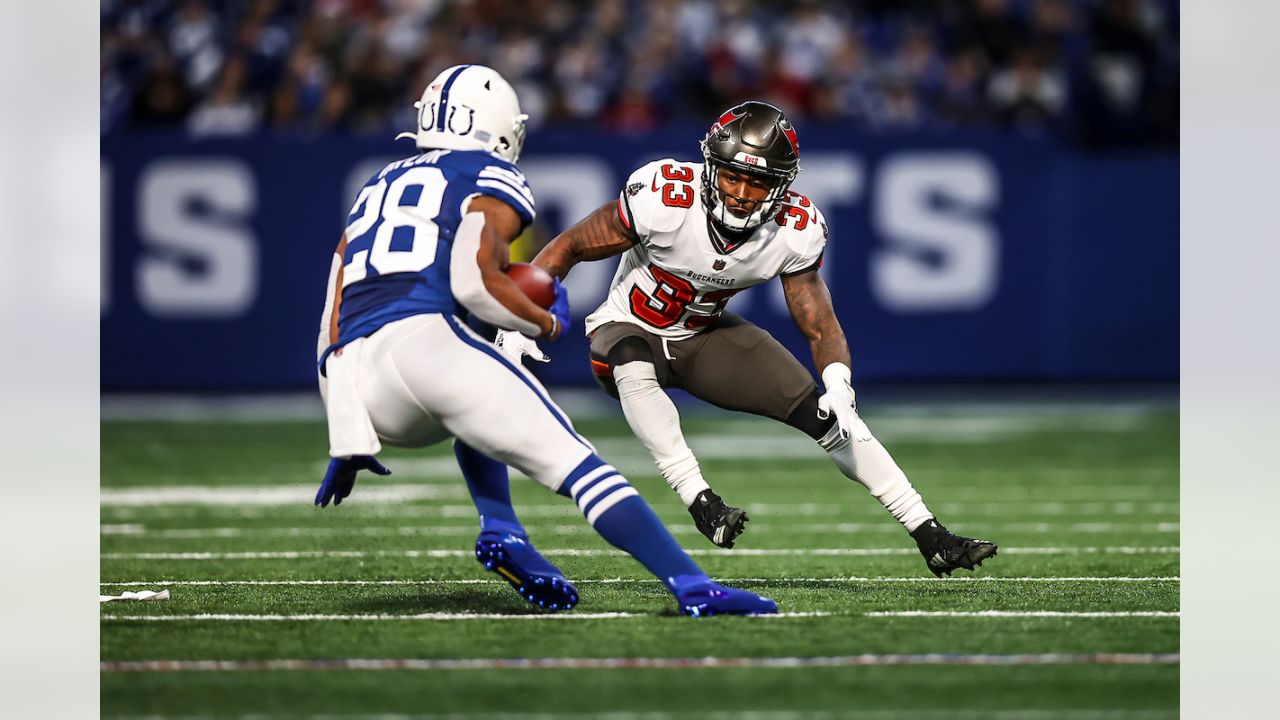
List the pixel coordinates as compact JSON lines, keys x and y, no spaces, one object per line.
{"x":692,"y":235}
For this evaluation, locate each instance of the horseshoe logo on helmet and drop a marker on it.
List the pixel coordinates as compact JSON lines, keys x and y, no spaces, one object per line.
{"x":423,"y":123}
{"x":453,"y":115}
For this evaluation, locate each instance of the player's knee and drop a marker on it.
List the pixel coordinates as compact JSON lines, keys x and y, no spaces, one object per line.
{"x":628,"y":350}
{"x":636,"y":378}
{"x":805,"y":417}
{"x":625,"y":352}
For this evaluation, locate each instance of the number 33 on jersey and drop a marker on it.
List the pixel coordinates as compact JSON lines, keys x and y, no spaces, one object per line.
{"x":679,"y":276}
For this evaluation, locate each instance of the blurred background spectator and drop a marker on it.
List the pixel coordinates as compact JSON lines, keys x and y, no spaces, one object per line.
{"x":1099,"y":73}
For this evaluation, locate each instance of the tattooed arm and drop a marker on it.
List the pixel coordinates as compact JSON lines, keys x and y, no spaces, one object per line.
{"x":597,"y":236}
{"x":810,"y":306}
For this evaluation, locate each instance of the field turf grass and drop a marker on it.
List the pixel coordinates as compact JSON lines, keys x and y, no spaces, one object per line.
{"x":1082,"y":498}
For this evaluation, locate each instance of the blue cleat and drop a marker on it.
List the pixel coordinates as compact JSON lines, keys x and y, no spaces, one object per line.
{"x":699,"y":596}
{"x":504,"y":549}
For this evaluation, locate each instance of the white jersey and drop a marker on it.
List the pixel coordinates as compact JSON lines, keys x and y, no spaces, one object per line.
{"x":679,"y":276}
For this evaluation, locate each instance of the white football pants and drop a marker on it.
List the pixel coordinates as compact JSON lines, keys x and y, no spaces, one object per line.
{"x":429,"y":377}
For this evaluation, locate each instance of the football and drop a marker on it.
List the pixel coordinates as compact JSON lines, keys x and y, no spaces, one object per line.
{"x":534,"y":282}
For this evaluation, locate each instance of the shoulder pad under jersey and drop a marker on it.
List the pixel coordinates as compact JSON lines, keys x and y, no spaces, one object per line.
{"x":657,"y":197}
{"x":805,"y":231}
{"x":503,"y":180}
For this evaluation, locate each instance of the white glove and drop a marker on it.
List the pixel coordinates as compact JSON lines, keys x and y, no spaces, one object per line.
{"x":516,"y":345}
{"x":839,"y":400}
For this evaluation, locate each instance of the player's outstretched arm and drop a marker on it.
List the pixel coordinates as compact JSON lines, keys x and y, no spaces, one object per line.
{"x":597,"y":236}
{"x":810,"y":304}
{"x":482,"y":252}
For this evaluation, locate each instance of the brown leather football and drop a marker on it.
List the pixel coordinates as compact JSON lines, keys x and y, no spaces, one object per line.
{"x":534,"y":282}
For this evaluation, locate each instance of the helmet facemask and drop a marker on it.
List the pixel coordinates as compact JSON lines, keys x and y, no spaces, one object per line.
{"x":510,"y":147}
{"x":713,"y":198}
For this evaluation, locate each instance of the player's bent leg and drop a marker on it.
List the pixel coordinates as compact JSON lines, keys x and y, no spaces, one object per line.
{"x":501,"y":411}
{"x":870,"y":464}
{"x":412,"y":398}
{"x":653,"y":417}
{"x":656,"y":422}
{"x":626,"y":521}
{"x":617,"y":512}
{"x":625,"y":362}
{"x":866,"y":462}
{"x":503,"y":546}
{"x":487,"y":482}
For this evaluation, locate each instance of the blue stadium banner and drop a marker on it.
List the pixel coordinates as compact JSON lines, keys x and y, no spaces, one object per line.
{"x":950,"y":257}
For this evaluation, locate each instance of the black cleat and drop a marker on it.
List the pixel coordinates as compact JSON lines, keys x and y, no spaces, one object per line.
{"x":945,"y":551}
{"x":719,"y":522}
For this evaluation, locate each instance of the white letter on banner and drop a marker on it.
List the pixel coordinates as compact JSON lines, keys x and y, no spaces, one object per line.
{"x":940,"y":254}
{"x":197,"y":264}
{"x":576,"y":185}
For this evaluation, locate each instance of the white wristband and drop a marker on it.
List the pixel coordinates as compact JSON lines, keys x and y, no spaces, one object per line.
{"x":836,"y":373}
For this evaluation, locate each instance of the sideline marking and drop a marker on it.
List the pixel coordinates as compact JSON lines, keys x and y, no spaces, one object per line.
{"x":590,"y":552}
{"x":641,"y":662}
{"x":619,"y":580}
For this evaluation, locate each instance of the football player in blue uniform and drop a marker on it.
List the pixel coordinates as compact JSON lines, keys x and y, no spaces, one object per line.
{"x":427,"y":241}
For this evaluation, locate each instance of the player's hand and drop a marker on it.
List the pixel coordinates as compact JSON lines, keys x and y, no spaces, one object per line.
{"x":839,"y":401}
{"x":516,"y":345}
{"x":340,"y":479}
{"x":560,"y":311}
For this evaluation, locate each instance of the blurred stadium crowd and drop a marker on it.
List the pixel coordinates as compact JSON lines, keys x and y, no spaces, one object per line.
{"x":1092,"y":72}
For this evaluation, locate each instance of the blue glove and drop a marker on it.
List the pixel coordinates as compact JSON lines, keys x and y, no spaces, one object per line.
{"x":560,"y":310}
{"x":341,"y":477}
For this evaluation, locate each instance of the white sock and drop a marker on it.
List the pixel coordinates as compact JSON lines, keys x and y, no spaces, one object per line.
{"x":654,"y":419}
{"x":870,"y":464}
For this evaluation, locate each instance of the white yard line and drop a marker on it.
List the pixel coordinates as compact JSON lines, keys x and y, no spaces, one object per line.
{"x":1021,"y":509}
{"x":888,"y":527}
{"x":593,"y":552}
{"x":620,"y":581}
{"x":376,"y":493}
{"x":270,"y":495}
{"x":445,"y":617}
{"x":625,"y":663}
{"x":449,"y":617}
{"x":1025,"y":614}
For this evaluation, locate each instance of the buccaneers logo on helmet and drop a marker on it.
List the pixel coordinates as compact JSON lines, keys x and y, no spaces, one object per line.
{"x":754,"y":139}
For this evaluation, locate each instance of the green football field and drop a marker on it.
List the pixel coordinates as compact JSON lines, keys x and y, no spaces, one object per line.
{"x":377,"y":608}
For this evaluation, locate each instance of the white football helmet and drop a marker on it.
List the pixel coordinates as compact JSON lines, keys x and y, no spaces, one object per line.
{"x":470,"y":107}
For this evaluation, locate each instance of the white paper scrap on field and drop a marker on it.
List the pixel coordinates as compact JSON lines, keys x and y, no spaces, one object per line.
{"x":139,"y":595}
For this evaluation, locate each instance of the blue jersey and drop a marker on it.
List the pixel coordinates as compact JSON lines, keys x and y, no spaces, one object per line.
{"x":400,"y":235}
